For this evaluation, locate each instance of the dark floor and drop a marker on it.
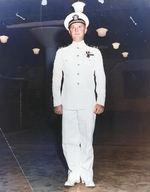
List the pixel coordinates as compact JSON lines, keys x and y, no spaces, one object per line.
{"x":32,"y":159}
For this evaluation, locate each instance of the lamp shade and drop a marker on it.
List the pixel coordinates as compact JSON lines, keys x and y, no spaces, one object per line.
{"x":44,"y":2}
{"x":101,"y":1}
{"x":102,"y":32}
{"x":36,"y":51}
{"x":78,"y":6}
{"x":116,"y":45}
{"x":4,"y":38}
{"x":125,"y":54}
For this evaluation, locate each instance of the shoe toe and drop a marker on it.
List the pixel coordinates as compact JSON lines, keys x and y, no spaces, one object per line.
{"x":90,"y":184}
{"x":71,"y":183}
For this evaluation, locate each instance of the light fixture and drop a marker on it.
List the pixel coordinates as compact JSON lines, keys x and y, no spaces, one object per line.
{"x":3,"y":38}
{"x":125,"y":54}
{"x":36,"y":51}
{"x":115,"y":45}
{"x":44,"y":2}
{"x":101,"y":1}
{"x":102,"y":32}
{"x":78,"y":6}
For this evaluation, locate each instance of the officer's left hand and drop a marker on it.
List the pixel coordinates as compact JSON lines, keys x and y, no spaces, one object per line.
{"x":58,"y":109}
{"x":98,"y":109}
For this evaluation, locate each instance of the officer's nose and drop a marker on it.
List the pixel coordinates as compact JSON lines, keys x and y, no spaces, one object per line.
{"x":76,"y":29}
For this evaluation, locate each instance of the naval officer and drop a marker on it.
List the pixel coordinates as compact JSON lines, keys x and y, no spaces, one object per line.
{"x":79,"y":98}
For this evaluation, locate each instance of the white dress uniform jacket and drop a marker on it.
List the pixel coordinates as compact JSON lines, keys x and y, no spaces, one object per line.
{"x":81,"y":68}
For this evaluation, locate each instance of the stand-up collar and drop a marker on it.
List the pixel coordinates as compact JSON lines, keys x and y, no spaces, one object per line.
{"x":78,"y":44}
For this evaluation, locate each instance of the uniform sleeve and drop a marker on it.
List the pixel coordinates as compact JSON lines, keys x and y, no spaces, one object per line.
{"x":57,"y":79}
{"x":100,"y":78}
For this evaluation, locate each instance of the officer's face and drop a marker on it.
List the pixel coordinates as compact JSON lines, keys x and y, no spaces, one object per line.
{"x":77,"y":31}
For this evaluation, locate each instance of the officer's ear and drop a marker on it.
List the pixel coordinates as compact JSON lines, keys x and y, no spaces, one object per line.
{"x":85,"y":30}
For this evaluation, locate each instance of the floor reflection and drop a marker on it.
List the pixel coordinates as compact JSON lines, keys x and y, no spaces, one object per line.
{"x":122,"y":158}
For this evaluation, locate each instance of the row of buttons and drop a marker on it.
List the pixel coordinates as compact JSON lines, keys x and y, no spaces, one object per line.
{"x":78,"y":65}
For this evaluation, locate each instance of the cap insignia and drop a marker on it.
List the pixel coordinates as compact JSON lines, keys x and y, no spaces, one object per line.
{"x":75,"y":17}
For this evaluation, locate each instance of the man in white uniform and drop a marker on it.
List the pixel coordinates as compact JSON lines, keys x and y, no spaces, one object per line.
{"x":81,"y":68}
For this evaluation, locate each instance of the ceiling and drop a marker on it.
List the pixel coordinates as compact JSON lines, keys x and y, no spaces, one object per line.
{"x":127,"y":22}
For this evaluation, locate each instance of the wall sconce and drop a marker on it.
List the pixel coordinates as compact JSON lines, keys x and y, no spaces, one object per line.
{"x":36,"y":51}
{"x":44,"y":2}
{"x":102,"y":32}
{"x":78,"y":6}
{"x":115,"y":45}
{"x":4,"y":38}
{"x":125,"y":54}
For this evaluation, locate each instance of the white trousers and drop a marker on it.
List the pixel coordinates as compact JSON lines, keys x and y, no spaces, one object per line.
{"x":77,"y":138}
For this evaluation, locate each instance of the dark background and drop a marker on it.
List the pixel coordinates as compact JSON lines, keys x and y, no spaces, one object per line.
{"x":23,"y":95}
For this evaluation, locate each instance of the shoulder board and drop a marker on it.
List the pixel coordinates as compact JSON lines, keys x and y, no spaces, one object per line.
{"x":92,"y":46}
{"x":60,"y":48}
{"x":63,"y":47}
